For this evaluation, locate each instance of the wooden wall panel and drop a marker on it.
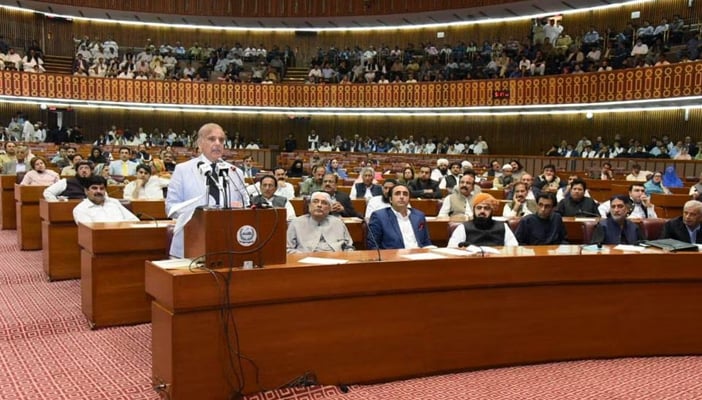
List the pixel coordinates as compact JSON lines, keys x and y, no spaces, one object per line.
{"x":505,"y":134}
{"x":283,"y":8}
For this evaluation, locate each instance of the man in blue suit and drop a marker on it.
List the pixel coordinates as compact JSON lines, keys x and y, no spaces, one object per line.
{"x":398,"y":226}
{"x":188,"y":187}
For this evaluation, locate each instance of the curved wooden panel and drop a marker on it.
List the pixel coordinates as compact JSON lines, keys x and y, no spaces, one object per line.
{"x":677,"y":80}
{"x":281,"y":8}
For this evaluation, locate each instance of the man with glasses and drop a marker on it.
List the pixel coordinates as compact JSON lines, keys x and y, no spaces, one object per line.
{"x":544,"y":227}
{"x":483,"y":230}
{"x":268,"y":197}
{"x":317,"y":230}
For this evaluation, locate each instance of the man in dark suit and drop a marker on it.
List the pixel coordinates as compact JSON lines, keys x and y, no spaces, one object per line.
{"x":398,"y":226}
{"x":341,"y":202}
{"x":424,"y":187}
{"x":687,"y":227}
{"x":247,"y":167}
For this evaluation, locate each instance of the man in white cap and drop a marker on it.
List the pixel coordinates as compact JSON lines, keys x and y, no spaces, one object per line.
{"x":483,"y":230}
{"x":506,"y":180}
{"x":441,"y":170}
{"x":318,"y":231}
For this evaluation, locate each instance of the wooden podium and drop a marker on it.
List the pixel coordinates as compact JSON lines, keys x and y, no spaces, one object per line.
{"x":27,"y":214}
{"x":233,"y":237}
{"x":7,"y":202}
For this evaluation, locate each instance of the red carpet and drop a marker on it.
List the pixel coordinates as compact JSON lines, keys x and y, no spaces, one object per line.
{"x":48,"y":352}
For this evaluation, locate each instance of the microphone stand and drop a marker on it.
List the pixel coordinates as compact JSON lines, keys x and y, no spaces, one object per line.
{"x":225,"y":188}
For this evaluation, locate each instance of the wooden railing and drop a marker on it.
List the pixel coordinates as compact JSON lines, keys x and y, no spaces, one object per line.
{"x":676,"y":80}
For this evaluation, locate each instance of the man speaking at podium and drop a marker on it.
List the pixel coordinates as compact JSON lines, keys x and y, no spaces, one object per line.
{"x":202,"y":182}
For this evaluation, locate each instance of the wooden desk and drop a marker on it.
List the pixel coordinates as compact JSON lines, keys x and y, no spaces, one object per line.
{"x":112,"y":273}
{"x":59,"y":234}
{"x":27,"y":214}
{"x":60,"y":250}
{"x":8,"y":213}
{"x":669,"y":205}
{"x":430,"y":207}
{"x":348,"y":324}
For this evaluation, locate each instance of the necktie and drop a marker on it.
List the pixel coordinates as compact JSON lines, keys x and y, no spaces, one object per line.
{"x":214,"y":191}
{"x":125,"y":169}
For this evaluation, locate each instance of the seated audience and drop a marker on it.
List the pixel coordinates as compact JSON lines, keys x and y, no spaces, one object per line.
{"x":483,"y":230}
{"x":460,"y":203}
{"x":97,"y":207}
{"x":314,"y":182}
{"x":685,"y":228}
{"x":39,"y":175}
{"x":655,"y":185}
{"x":398,"y":226}
{"x":520,"y":204}
{"x":616,"y":228}
{"x":577,"y":204}
{"x":366,"y":188}
{"x":145,"y":186}
{"x":268,"y":198}
{"x":341,"y":202}
{"x":543,"y":227}
{"x":318,"y":231}
{"x":382,"y":201}
{"x":641,"y":206}
{"x":72,"y":187}
{"x":424,"y":187}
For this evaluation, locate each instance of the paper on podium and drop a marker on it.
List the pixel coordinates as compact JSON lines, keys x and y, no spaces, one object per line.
{"x":322,"y":261}
{"x":174,"y":263}
{"x":629,"y":247}
{"x":454,"y":252}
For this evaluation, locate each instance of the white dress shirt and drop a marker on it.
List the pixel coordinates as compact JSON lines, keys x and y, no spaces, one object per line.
{"x":109,"y":211}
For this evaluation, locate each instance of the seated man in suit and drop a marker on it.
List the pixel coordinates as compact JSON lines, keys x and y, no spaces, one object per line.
{"x":544,"y":227}
{"x":124,"y":166}
{"x":616,"y":228}
{"x":398,"y":226}
{"x":97,"y":207}
{"x":424,"y":187}
{"x":341,"y":202}
{"x":520,"y":204}
{"x":483,"y":230}
{"x":19,"y":164}
{"x":72,"y":187}
{"x":268,"y":198}
{"x":687,"y":227}
{"x":247,"y":167}
{"x":318,"y":231}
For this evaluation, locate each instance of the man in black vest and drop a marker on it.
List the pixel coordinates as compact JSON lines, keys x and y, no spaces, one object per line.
{"x":268,"y":198}
{"x":72,"y":187}
{"x":483,"y":230}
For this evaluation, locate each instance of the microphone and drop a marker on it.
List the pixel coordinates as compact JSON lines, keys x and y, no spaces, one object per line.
{"x":149,"y":216}
{"x":207,"y":171}
{"x":464,"y":245}
{"x":225,"y":166}
{"x":369,"y":231}
{"x":582,"y":212}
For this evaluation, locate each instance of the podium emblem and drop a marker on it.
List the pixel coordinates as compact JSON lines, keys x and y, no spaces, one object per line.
{"x":246,"y":235}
